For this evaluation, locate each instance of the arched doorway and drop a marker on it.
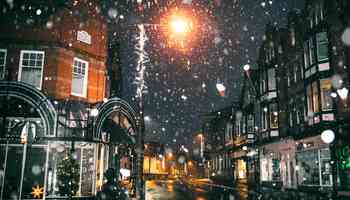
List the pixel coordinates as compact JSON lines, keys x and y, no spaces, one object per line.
{"x":37,"y":134}
{"x":116,"y":124}
{"x":26,"y":117}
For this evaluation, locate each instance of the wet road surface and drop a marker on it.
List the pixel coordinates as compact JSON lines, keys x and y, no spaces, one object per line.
{"x":177,"y":190}
{"x":172,"y":190}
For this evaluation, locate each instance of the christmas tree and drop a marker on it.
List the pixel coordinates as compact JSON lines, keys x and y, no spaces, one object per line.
{"x":68,"y":176}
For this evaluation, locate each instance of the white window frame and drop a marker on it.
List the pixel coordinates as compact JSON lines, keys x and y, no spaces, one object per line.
{"x":42,"y":66}
{"x":4,"y":67}
{"x":85,"y":77}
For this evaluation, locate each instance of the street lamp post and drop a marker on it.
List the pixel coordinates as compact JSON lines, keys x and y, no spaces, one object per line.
{"x":179,"y":27}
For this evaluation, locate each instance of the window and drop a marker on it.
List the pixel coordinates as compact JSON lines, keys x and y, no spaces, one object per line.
{"x":79,"y":80}
{"x":31,"y":67}
{"x":250,"y":123}
{"x":244,"y":124}
{"x":272,"y":79}
{"x":228,"y":135}
{"x":326,"y":99}
{"x":306,"y":56}
{"x":309,"y":100}
{"x":238,"y":127}
{"x":270,"y":168}
{"x":295,"y":72}
{"x":288,"y":78}
{"x":3,"y":53}
{"x":322,"y":46}
{"x":263,"y":82}
{"x":264,"y":119}
{"x":311,"y":51}
{"x":300,"y":113}
{"x":315,"y":94}
{"x":291,"y":112}
{"x":273,"y":116}
{"x":314,"y":167}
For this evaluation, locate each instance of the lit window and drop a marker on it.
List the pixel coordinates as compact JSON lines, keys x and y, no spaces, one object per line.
{"x":79,"y":77}
{"x":31,"y":67}
{"x":309,"y":99}
{"x":322,"y":46}
{"x":3,"y":53}
{"x":326,"y":90}
{"x":273,"y":116}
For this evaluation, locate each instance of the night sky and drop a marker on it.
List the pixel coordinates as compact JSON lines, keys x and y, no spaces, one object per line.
{"x":182,"y":86}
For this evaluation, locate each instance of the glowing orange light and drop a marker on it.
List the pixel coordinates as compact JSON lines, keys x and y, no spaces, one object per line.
{"x":179,"y":26}
{"x":37,"y":191}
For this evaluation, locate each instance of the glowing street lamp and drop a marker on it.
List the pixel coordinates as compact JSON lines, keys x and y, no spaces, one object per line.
{"x":246,"y":67}
{"x":328,"y":136}
{"x":179,"y":26}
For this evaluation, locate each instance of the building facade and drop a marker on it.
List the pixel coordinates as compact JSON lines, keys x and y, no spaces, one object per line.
{"x":55,"y":112}
{"x":303,"y":86}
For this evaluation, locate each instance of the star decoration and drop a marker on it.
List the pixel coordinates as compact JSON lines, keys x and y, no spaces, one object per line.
{"x":37,"y":191}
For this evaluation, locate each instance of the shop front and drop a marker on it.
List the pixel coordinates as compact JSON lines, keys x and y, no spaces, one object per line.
{"x":342,"y":154}
{"x":277,"y":164}
{"x":52,"y":149}
{"x":240,"y":163}
{"x":313,"y":158}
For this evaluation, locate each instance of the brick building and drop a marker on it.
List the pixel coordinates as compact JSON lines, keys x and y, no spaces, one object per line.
{"x":54,"y":90}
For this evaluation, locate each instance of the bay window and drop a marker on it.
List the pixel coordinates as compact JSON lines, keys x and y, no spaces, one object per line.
{"x":31,"y":67}
{"x":322,"y":46}
{"x":316,"y":55}
{"x":315,"y":94}
{"x":3,"y":53}
{"x":319,"y":98}
{"x":79,"y":77}
{"x":326,"y":90}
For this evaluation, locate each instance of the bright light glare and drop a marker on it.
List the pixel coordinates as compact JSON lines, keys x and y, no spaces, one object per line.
{"x":246,"y":67}
{"x":343,"y":93}
{"x":147,"y":118}
{"x":179,"y":26}
{"x":220,"y":87}
{"x":327,"y":136}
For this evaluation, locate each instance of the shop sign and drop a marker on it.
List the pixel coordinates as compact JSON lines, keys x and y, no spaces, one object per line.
{"x":343,"y":155}
{"x":84,"y":36}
